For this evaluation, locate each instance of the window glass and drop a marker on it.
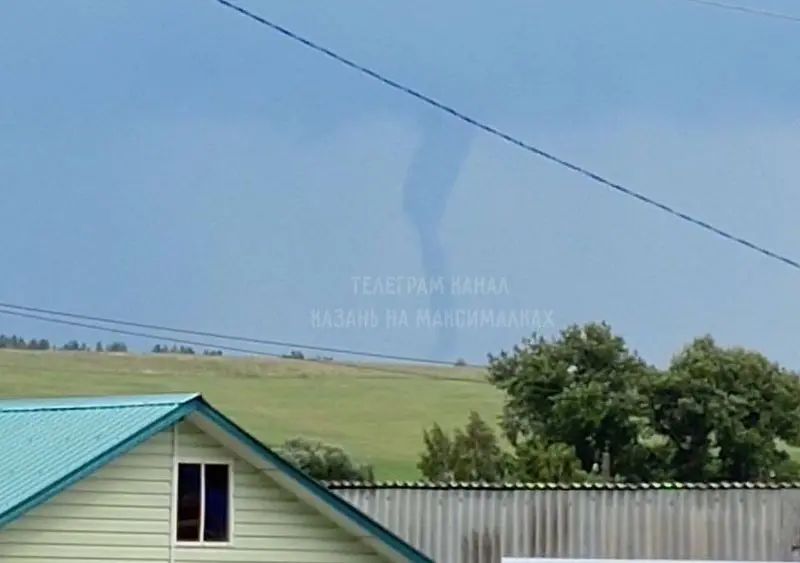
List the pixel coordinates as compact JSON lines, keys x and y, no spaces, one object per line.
{"x":217,"y":510}
{"x":188,"y":517}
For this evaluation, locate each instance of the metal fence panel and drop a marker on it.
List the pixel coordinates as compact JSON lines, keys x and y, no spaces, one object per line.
{"x":480,"y":526}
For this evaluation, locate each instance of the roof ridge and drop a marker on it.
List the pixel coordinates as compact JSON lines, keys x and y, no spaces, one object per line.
{"x":51,"y":404}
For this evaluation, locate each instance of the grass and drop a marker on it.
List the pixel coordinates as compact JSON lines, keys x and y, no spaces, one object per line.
{"x":377,"y":413}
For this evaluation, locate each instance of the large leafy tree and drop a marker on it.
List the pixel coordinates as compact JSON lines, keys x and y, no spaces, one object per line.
{"x":581,"y":389}
{"x":721,"y":413}
{"x":584,"y":399}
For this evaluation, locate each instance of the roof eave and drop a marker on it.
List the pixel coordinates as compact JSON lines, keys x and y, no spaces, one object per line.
{"x":401,"y":550}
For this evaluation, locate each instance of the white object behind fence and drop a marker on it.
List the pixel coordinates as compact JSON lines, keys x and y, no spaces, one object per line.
{"x":601,"y":560}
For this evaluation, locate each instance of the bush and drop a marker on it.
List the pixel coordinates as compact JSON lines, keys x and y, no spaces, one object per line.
{"x":324,"y":462}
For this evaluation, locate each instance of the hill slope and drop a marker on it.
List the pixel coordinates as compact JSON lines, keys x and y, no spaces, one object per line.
{"x":375,"y":412}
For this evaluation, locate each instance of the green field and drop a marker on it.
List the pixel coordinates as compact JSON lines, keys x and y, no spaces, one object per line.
{"x":377,"y":413}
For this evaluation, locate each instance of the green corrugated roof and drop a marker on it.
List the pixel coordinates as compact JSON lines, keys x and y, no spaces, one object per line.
{"x":45,"y":441}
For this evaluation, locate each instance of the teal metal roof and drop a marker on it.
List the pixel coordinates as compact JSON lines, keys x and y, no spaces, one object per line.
{"x":47,"y":445}
{"x":44,"y":441}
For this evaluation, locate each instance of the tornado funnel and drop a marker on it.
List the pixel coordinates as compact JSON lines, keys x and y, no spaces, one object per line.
{"x":429,"y":181}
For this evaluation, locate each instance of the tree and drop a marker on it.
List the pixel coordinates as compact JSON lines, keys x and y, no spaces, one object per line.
{"x":721,"y":411}
{"x":34,"y":344}
{"x":117,"y":347}
{"x":436,"y":462}
{"x":324,"y":462}
{"x":581,"y":390}
{"x":99,"y":347}
{"x":472,"y":454}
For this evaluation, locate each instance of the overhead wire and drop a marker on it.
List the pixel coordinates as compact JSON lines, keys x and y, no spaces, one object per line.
{"x":236,"y":349}
{"x":230,"y":337}
{"x":745,"y":10}
{"x":507,"y":137}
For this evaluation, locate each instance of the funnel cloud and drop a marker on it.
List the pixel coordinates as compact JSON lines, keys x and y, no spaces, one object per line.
{"x":429,"y":181}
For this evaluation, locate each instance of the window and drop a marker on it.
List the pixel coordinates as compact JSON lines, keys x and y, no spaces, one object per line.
{"x":204,"y":503}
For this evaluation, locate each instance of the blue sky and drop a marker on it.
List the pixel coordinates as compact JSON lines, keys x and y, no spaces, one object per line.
{"x":175,"y":163}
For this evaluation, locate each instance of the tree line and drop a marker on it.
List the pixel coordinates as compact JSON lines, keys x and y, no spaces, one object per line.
{"x":583,"y":402}
{"x":584,"y":406}
{"x":15,"y":342}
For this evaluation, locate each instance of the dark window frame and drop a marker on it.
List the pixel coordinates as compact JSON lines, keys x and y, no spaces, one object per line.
{"x":176,"y":504}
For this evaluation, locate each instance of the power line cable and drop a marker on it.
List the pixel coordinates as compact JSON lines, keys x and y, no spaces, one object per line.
{"x":509,"y":138}
{"x":233,"y":338}
{"x":113,"y":330}
{"x":236,"y":349}
{"x":746,"y":10}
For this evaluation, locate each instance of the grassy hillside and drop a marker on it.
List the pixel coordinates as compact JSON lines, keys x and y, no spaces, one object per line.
{"x":376,"y":412}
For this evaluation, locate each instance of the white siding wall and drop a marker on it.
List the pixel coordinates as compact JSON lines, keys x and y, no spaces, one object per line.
{"x":269,"y":523}
{"x":118,"y":515}
{"x":121,"y":514}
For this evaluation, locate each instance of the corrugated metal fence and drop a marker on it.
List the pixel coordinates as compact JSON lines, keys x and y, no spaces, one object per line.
{"x":465,"y":524}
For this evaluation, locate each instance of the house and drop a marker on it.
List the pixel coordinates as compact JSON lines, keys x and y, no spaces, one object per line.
{"x":166,"y":479}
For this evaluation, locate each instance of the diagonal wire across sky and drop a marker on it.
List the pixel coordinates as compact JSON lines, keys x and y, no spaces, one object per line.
{"x":455,"y":113}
